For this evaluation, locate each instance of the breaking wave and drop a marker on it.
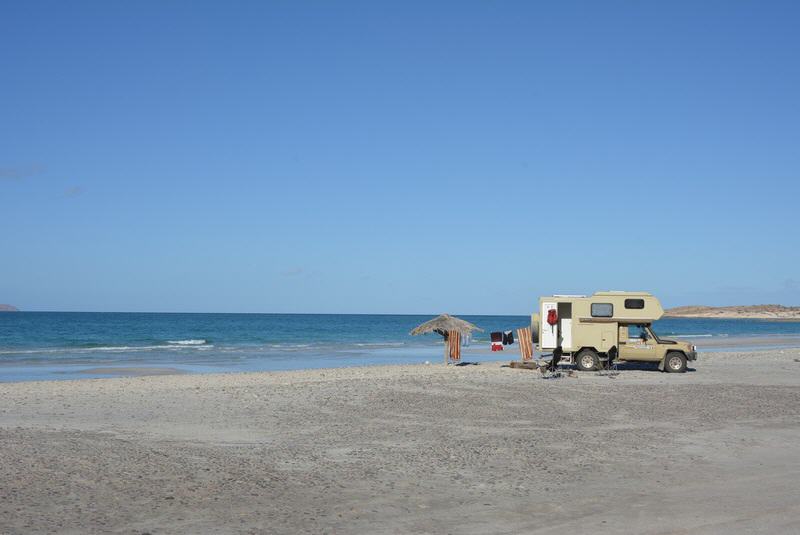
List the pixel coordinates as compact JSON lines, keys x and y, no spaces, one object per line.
{"x":172,"y":346}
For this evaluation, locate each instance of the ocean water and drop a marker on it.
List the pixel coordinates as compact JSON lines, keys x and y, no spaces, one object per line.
{"x":67,"y":345}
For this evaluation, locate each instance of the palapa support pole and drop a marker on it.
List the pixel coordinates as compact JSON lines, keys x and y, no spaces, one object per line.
{"x":446,"y":350}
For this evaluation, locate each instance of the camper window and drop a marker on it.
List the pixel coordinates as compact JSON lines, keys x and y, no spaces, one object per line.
{"x":634,"y":303}
{"x":602,"y":310}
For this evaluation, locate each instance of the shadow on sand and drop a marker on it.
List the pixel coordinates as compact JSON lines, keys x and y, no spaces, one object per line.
{"x":643,"y":366}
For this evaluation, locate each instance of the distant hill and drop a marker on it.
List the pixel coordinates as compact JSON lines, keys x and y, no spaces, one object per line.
{"x":8,"y":308}
{"x":768,"y":312}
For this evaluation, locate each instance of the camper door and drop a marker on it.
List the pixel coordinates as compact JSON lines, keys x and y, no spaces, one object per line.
{"x":565,"y":326}
{"x":549,"y":333}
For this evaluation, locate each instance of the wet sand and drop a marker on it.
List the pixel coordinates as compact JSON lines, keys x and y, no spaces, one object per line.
{"x":130,"y":371}
{"x":409,"y":449}
{"x":740,"y":342}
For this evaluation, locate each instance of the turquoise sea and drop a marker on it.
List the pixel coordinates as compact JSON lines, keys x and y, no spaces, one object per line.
{"x":64,"y":345}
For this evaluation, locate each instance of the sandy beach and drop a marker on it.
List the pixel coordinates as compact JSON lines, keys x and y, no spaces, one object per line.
{"x":409,"y":449}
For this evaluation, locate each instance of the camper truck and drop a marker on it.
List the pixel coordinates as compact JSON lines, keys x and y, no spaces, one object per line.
{"x":593,"y":331}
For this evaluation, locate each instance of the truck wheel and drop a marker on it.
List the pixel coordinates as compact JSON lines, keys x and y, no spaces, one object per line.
{"x":675,"y":362}
{"x":587,"y":360}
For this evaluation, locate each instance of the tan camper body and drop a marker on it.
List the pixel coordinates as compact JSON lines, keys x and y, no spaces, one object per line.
{"x":592,"y":330}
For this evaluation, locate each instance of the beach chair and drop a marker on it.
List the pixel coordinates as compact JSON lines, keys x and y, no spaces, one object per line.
{"x":525,"y":341}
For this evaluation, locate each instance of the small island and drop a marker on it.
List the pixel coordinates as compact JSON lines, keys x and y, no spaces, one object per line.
{"x":8,"y":308}
{"x":765,"y":312}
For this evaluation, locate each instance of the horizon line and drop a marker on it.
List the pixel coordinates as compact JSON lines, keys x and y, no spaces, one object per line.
{"x":251,"y":313}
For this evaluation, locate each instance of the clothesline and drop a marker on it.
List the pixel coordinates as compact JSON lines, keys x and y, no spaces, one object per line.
{"x":501,"y":338}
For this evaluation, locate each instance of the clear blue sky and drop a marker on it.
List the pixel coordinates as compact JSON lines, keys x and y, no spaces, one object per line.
{"x":396,"y":158}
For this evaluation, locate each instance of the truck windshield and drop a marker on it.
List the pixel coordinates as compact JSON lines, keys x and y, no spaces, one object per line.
{"x":653,"y":334}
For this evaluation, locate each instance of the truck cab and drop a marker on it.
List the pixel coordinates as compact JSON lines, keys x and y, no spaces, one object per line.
{"x":593,"y":331}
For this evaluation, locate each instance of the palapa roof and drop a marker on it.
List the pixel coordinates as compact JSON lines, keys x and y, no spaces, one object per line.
{"x":445,"y":323}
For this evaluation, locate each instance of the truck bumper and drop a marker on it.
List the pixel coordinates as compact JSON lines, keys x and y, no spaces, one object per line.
{"x":691,"y":355}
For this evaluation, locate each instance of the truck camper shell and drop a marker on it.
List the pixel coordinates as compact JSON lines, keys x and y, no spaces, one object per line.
{"x":604,"y":326}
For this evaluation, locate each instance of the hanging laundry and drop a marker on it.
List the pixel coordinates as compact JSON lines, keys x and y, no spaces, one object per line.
{"x":466,"y":339}
{"x":454,"y":340}
{"x":508,"y":338}
{"x":497,"y":341}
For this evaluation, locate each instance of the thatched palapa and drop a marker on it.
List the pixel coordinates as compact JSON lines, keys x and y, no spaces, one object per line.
{"x":443,"y":325}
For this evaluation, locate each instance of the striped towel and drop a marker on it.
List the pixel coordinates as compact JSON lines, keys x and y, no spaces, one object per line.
{"x":454,"y":338}
{"x":525,"y":343}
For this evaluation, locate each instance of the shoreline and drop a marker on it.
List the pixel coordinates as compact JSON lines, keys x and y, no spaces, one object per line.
{"x":55,"y":371}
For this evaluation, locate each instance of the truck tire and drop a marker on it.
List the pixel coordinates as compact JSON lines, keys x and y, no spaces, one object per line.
{"x":675,"y":362}
{"x":587,"y":360}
